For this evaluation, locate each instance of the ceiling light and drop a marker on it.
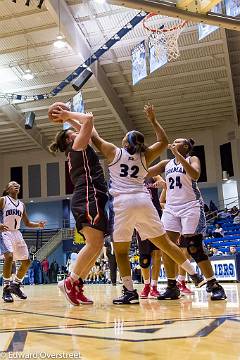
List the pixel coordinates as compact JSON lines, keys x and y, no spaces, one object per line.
{"x":225,"y":176}
{"x":28,"y":75}
{"x":60,"y":43}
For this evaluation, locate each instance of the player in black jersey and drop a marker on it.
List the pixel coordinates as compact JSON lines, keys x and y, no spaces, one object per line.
{"x":89,"y":197}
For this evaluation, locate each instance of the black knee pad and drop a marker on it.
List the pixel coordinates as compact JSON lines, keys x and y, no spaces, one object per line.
{"x":145,"y":261}
{"x":195,"y":247}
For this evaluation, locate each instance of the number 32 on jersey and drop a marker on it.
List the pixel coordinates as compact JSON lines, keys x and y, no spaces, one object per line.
{"x":126,"y":171}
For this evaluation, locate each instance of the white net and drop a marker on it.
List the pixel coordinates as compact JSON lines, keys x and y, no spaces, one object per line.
{"x":164,"y":33}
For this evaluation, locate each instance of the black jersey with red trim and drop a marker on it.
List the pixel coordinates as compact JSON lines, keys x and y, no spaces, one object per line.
{"x":89,"y":201}
{"x":85,"y":168}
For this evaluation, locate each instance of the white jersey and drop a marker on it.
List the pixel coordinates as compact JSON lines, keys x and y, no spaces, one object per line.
{"x":127,"y":173}
{"x":12,"y":213}
{"x":181,"y":189}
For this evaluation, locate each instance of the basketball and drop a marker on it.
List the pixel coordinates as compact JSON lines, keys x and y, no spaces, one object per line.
{"x":53,"y":107}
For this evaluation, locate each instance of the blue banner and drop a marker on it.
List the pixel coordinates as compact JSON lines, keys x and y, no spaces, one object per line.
{"x":157,"y":54}
{"x":76,"y":105}
{"x":232,"y":7}
{"x":139,"y":64}
{"x":205,"y":29}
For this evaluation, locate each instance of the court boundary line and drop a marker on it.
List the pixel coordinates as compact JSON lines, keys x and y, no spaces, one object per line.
{"x":207,"y":330}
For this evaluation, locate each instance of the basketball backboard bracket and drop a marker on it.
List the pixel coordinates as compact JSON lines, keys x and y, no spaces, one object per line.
{"x":171,"y":10}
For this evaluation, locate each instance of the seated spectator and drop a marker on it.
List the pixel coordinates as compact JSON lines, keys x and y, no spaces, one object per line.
{"x":236,"y":220}
{"x":232,"y":250}
{"x":234,"y":211}
{"x":218,"y":232}
{"x":216,"y":252}
{"x":208,"y":233}
{"x":209,"y":250}
{"x":224,"y":214}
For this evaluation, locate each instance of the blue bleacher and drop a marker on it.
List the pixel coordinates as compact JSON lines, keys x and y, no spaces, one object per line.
{"x":231,"y":235}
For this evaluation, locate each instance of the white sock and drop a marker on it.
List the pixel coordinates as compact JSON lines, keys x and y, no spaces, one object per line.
{"x":154,"y":282}
{"x":17,"y":280}
{"x":6,"y":281}
{"x":74,"y":276}
{"x":181,"y":278}
{"x":147,"y":281}
{"x":211,"y":278}
{"x":188,"y":267}
{"x":127,"y":282}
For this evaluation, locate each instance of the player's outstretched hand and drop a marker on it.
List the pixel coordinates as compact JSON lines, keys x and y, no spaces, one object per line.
{"x":150,"y":112}
{"x":42,"y":224}
{"x":159,"y":184}
{"x":173,"y":150}
{"x":61,"y":114}
{"x":3,"y":227}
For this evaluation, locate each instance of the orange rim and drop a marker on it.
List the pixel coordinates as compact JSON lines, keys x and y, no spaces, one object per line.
{"x":175,"y":27}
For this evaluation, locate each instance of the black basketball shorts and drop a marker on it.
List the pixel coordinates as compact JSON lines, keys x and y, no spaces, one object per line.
{"x":89,"y":208}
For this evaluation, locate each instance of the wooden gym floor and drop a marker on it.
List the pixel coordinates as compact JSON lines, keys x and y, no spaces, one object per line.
{"x":190,"y":328}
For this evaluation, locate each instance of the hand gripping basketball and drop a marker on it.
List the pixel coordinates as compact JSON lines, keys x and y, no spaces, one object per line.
{"x":55,"y":107}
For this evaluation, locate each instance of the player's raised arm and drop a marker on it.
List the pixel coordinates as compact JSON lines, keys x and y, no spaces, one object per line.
{"x":83,"y":137}
{"x":60,"y":114}
{"x":193,"y":168}
{"x":107,"y":149}
{"x":157,"y":169}
{"x":155,"y":150}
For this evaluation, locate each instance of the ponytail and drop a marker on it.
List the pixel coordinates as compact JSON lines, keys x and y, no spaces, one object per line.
{"x":53,"y":147}
{"x":190,"y":142}
{"x":60,"y":143}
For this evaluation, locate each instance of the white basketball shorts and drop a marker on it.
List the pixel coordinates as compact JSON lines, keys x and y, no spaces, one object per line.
{"x":134,"y":211}
{"x":13,"y":242}
{"x":189,"y":219}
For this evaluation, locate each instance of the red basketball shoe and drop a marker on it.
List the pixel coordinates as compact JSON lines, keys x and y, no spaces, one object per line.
{"x":183,"y":288}
{"x":145,"y":291}
{"x":73,"y":291}
{"x":82,"y":299}
{"x":154,"y":293}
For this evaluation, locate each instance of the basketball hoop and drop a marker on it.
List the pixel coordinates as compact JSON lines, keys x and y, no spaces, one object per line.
{"x":164,"y":34}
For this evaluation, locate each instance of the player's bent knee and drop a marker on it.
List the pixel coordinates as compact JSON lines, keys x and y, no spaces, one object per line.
{"x":194,"y":245}
{"x":8,"y":257}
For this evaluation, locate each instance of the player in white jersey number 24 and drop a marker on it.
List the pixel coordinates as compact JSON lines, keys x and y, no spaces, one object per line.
{"x":183,"y":215}
{"x":12,"y":244}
